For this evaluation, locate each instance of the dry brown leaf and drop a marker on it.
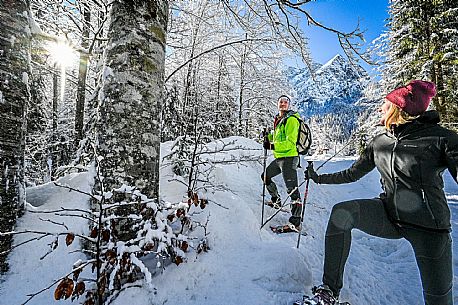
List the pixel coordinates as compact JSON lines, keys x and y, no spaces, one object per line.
{"x":94,"y":232}
{"x":180,"y":212}
{"x":178,"y":260}
{"x":79,"y":289}
{"x":106,"y":235}
{"x":195,"y":198}
{"x":69,"y":239}
{"x":149,"y":247}
{"x":110,"y":256}
{"x":184,"y":246}
{"x":64,"y":289}
{"x":203,"y":203}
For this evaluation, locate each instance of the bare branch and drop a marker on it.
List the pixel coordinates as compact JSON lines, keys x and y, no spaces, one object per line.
{"x":62,"y":209}
{"x":54,"y":222}
{"x":343,"y":37}
{"x":218,"y":204}
{"x":76,"y":190}
{"x":80,"y":267}
{"x":214,"y":49}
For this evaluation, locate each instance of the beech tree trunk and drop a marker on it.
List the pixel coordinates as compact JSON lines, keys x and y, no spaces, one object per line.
{"x":14,"y":96}
{"x":132,"y":94}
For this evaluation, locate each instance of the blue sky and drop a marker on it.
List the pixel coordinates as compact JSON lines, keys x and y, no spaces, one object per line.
{"x":343,"y":15}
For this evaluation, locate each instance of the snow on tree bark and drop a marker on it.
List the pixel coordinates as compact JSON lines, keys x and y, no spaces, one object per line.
{"x":14,"y":71}
{"x":131,"y":95}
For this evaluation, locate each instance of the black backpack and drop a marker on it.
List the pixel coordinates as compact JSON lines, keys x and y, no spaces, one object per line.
{"x":304,"y":137}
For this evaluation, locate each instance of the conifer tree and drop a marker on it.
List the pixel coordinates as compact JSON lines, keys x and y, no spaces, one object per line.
{"x":423,"y":41}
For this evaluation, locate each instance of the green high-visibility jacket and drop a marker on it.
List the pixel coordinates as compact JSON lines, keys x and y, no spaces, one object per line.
{"x":285,"y":134}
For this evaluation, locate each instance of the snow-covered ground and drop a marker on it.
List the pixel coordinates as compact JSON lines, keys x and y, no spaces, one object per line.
{"x":245,"y":265}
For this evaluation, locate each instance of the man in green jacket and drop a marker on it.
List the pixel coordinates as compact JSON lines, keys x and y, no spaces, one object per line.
{"x":283,"y":143}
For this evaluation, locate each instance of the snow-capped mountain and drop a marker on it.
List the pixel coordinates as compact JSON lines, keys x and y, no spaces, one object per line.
{"x":328,"y":98}
{"x":331,"y":87}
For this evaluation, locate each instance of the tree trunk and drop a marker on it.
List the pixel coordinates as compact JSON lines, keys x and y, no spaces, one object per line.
{"x":132,"y":94}
{"x":436,"y":77}
{"x":55,"y":101}
{"x":217,"y":132}
{"x":242,"y":85}
{"x":440,"y":93}
{"x":81,"y":91}
{"x":14,"y":95}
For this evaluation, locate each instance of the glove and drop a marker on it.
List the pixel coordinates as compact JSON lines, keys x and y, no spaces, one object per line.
{"x":267,"y":145}
{"x":311,"y":174}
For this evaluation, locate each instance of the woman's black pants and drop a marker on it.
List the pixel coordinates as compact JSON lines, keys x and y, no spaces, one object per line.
{"x":433,"y":250}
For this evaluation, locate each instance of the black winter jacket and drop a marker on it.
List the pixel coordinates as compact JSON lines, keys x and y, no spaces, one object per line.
{"x":411,"y":160}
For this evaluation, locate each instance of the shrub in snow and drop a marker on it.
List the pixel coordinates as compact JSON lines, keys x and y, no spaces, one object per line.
{"x":160,"y":232}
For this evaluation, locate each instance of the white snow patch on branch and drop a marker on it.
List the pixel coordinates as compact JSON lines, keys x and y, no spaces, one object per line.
{"x":33,"y":25}
{"x":143,"y":268}
{"x":25,"y":78}
{"x":107,"y":72}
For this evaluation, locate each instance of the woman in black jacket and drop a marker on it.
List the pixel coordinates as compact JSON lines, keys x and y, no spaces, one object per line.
{"x":411,"y":157}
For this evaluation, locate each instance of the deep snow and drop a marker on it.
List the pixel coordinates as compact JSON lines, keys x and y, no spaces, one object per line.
{"x":245,"y":265}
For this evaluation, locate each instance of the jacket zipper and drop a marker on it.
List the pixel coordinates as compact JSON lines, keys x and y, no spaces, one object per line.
{"x":428,"y":206}
{"x":423,"y":195}
{"x":394,"y":178}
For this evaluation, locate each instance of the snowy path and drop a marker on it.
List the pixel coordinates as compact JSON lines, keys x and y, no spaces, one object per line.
{"x":246,"y":265}
{"x":249,"y":266}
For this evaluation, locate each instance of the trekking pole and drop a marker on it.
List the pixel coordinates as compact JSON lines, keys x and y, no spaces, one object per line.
{"x":264,"y":176}
{"x":306,"y":192}
{"x":319,"y":167}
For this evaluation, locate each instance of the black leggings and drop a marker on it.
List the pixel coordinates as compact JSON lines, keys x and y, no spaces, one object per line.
{"x":433,"y":251}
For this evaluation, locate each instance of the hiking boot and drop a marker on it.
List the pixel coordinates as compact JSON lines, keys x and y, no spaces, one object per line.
{"x":322,"y":295}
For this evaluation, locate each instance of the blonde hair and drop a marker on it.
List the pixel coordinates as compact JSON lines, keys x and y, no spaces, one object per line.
{"x":397,"y":116}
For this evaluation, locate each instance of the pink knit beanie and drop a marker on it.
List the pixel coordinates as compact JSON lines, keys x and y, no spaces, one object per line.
{"x":413,"y":98}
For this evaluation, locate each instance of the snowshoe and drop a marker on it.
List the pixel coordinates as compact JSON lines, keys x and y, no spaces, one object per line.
{"x":287,"y":228}
{"x":277,"y":205}
{"x":311,"y":302}
{"x":322,"y":295}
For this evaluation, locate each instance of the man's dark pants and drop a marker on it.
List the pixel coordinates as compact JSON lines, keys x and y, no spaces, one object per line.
{"x":287,"y":166}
